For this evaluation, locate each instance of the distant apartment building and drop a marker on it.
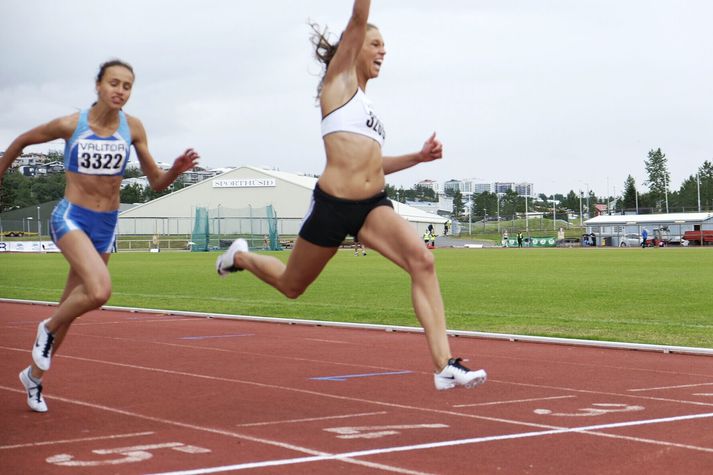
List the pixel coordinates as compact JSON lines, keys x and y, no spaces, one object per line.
{"x":468,"y":187}
{"x":479,"y":188}
{"x":504,"y":187}
{"x":197,"y":175}
{"x":453,"y":185}
{"x":524,"y":189}
{"x":430,"y":184}
{"x":141,"y":182}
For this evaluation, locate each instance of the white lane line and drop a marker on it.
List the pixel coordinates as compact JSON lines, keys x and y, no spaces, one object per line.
{"x":71,"y":441}
{"x":311,"y":419}
{"x":447,"y":443}
{"x":681,"y":386}
{"x":607,"y":393}
{"x":513,"y":401}
{"x":307,"y":392}
{"x":227,"y":433}
{"x":374,"y":402}
{"x":331,"y":341}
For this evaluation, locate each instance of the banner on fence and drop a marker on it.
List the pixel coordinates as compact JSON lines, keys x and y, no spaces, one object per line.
{"x":28,"y":246}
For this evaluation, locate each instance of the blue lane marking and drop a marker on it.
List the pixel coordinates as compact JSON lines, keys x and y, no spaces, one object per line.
{"x":214,"y":336}
{"x":365,"y":375}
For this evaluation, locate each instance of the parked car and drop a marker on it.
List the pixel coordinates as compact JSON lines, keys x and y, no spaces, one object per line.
{"x":629,"y":240}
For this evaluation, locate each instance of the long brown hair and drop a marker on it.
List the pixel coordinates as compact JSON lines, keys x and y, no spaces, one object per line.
{"x":324,"y":49}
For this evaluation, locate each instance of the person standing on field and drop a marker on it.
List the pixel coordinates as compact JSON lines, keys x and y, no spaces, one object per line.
{"x":83,"y":224}
{"x":349,"y":198}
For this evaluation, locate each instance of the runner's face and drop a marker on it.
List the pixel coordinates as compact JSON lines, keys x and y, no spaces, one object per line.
{"x":114,"y":89}
{"x":372,"y":53}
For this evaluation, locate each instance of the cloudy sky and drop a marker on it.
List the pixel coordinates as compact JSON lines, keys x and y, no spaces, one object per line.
{"x":564,"y":94}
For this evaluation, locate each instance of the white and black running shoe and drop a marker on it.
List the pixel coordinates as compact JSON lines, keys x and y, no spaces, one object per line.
{"x":34,"y":391}
{"x":225,"y":264}
{"x":455,"y":374}
{"x":42,"y":350}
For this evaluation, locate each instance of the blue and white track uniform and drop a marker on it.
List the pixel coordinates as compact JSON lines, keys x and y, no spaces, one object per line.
{"x":90,"y":154}
{"x":87,"y":153}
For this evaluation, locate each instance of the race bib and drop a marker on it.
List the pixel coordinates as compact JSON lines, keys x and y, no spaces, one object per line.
{"x":101,"y":157}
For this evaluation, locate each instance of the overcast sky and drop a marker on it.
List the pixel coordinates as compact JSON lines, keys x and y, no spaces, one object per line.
{"x":564,"y":94}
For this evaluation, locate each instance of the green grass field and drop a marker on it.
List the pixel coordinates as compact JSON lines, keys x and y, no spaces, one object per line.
{"x":659,"y":296}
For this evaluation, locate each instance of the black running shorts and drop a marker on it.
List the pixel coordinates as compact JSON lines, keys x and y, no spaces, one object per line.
{"x":330,"y":219}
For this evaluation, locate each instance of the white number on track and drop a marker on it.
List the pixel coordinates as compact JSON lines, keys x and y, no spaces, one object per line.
{"x":374,"y":432}
{"x":137,"y":453}
{"x":597,"y":409}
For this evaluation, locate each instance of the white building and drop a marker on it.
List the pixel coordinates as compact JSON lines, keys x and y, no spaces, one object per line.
{"x":668,"y":227}
{"x":239,"y":189}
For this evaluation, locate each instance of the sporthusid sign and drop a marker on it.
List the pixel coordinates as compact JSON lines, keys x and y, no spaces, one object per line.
{"x":245,"y":183}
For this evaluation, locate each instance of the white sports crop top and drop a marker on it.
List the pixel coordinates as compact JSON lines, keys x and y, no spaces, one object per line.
{"x":356,"y":116}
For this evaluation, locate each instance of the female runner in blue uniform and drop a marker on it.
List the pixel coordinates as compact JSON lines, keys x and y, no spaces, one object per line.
{"x":98,"y":141}
{"x":349,"y":198}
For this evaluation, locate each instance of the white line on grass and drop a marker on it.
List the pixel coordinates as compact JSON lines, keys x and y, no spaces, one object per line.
{"x":496,"y":336}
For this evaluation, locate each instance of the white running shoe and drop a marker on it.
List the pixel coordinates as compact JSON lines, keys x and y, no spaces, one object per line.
{"x":455,"y":374}
{"x":42,"y":350}
{"x":34,"y":391}
{"x":225,"y":264}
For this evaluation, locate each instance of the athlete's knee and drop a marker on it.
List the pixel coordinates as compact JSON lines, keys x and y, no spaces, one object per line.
{"x":293,"y":292}
{"x":99,"y":293}
{"x":421,"y":261}
{"x":99,"y":296}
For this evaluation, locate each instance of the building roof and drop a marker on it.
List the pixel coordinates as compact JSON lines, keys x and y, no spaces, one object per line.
{"x":407,"y":212}
{"x":667,"y":218}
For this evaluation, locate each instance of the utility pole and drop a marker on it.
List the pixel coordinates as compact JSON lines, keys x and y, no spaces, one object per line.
{"x":666,"y":192}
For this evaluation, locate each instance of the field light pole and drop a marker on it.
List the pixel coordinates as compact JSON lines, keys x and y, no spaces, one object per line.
{"x":554,"y":218}
{"x":39,"y":224}
{"x":698,"y":184}
{"x":665,"y":182}
{"x":581,"y":193}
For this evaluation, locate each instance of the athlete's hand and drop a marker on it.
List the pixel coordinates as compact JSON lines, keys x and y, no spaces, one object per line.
{"x":185,"y":162}
{"x":432,"y":149}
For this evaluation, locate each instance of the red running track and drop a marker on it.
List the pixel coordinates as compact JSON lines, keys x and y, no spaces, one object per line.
{"x":143,"y":393}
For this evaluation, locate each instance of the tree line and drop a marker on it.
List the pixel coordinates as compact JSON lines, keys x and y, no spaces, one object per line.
{"x":20,"y":191}
{"x":658,"y":198}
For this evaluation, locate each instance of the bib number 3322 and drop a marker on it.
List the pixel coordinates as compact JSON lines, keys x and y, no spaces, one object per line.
{"x":101,"y":157}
